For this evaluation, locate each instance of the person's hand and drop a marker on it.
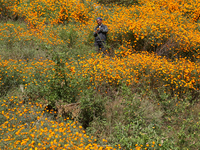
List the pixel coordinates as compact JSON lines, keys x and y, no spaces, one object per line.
{"x":97,"y":30}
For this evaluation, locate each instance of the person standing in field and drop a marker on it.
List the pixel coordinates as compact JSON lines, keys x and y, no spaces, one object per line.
{"x":100,"y":35}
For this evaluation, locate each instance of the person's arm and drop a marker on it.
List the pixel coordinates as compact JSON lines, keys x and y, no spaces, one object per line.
{"x":95,"y":32}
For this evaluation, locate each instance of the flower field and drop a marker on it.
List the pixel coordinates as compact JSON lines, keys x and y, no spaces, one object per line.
{"x":39,"y":132}
{"x":153,"y":22}
{"x":56,"y":93}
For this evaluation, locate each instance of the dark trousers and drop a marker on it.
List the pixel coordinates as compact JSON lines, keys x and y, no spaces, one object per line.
{"x":100,"y":47}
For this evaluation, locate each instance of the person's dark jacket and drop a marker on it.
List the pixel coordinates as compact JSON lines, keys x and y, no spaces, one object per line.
{"x":102,"y":33}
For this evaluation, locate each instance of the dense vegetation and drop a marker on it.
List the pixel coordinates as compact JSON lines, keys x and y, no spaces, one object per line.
{"x":57,"y":93}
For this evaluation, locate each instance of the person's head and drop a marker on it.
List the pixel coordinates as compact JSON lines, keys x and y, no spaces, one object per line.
{"x":99,"y":21}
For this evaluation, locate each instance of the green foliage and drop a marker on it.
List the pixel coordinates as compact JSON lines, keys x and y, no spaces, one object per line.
{"x":60,"y":85}
{"x":90,"y":39}
{"x":14,"y":47}
{"x":92,"y":107}
{"x":69,"y":37}
{"x":5,"y":13}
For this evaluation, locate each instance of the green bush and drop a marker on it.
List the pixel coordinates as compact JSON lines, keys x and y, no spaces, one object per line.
{"x":92,"y":107}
